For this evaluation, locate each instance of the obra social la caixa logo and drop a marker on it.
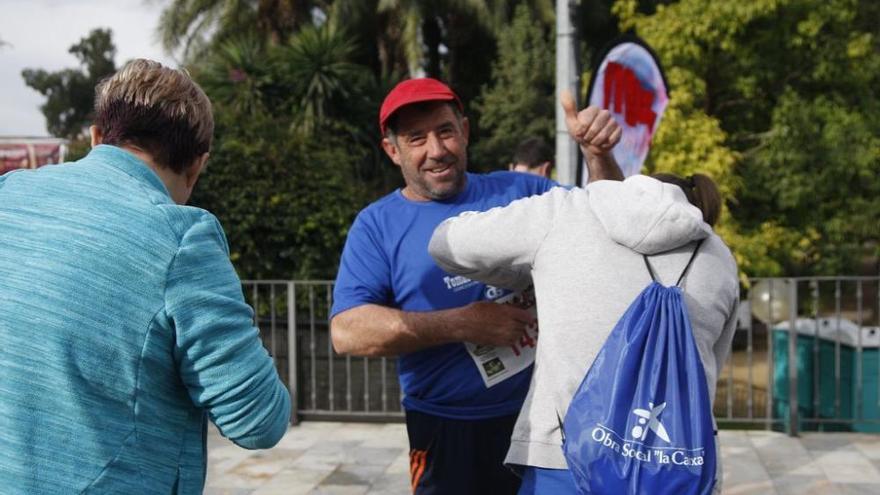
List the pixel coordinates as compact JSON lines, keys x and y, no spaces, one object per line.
{"x":640,"y":446}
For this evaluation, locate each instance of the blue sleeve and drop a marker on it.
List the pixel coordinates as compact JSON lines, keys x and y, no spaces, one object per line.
{"x":364,"y":275}
{"x":221,"y":359}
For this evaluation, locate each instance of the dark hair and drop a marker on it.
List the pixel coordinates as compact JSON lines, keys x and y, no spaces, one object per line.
{"x":391,"y":129}
{"x":161,"y":110}
{"x":533,"y":152}
{"x":700,"y":190}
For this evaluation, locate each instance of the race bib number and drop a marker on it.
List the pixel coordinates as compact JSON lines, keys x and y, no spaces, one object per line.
{"x":497,"y":364}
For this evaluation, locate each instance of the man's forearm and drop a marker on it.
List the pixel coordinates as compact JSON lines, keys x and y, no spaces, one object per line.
{"x":373,"y":330}
{"x":603,"y":166}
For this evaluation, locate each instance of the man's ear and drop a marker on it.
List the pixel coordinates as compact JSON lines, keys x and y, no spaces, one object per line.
{"x":466,"y":129}
{"x":193,"y":172}
{"x":96,"y":135}
{"x":391,"y":150}
{"x":545,"y":169}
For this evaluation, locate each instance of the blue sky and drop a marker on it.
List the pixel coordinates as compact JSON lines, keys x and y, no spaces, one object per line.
{"x":39,"y":33}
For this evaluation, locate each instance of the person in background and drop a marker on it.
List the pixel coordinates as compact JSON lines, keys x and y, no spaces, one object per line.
{"x":533,"y":156}
{"x":583,"y":250}
{"x":391,"y":299}
{"x":122,"y":322}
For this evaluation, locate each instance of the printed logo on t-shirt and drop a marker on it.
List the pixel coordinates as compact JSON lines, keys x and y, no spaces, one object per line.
{"x":458,"y":283}
{"x":493,"y":292}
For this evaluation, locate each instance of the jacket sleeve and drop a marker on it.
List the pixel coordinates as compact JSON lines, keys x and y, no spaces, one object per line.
{"x":725,"y":341}
{"x":220,"y":357}
{"x":497,"y":246}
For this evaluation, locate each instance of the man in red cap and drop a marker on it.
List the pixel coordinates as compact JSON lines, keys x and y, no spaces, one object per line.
{"x":463,"y":369}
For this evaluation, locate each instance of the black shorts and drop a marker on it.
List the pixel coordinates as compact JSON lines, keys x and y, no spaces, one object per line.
{"x":460,"y":457}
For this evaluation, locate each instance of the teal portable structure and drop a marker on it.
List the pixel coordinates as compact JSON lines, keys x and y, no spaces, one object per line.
{"x":828,"y":366}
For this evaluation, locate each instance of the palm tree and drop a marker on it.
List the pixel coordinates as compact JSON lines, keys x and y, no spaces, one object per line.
{"x":425,"y":27}
{"x":410,"y":36}
{"x":187,"y":24}
{"x":235,"y":76}
{"x":502,"y":11}
{"x":319,"y":76}
{"x":449,"y":39}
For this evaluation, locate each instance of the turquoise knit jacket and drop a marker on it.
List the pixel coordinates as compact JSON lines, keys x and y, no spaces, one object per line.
{"x":122,"y":328}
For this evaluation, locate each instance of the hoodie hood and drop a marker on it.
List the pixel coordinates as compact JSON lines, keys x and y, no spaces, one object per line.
{"x":646,"y":215}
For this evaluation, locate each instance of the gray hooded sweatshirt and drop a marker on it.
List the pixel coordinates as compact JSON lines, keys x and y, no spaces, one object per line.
{"x":582,"y":249}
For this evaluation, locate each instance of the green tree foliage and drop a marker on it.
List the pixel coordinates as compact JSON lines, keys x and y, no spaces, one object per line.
{"x":317,"y":94}
{"x":285,"y":201}
{"x":519,"y":103}
{"x":308,"y":85}
{"x":70,"y":93}
{"x":447,"y":39}
{"x":195,"y":26}
{"x":778,"y":100}
{"x":317,"y":69}
{"x":421,"y":23}
{"x":292,"y":161}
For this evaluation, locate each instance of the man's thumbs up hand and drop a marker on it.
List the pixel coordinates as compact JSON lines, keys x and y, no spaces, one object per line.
{"x":593,"y":128}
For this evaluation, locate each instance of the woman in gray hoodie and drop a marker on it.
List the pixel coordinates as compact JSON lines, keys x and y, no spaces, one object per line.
{"x":582,"y":249}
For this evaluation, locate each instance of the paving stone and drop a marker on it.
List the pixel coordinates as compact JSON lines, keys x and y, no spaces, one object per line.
{"x":340,"y":490}
{"x":858,"y":489}
{"x":750,"y":488}
{"x":227,"y":491}
{"x":231,"y":481}
{"x":361,"y":431}
{"x":375,"y":455}
{"x":854,"y":470}
{"x":329,"y":452}
{"x":742,"y":468}
{"x":217,"y":467}
{"x":391,"y":484}
{"x":870,"y":449}
{"x":265,"y":464}
{"x":734,"y":438}
{"x":354,"y":474}
{"x":400,"y":465}
{"x":782,"y":455}
{"x":356,"y":459}
{"x":292,"y":482}
{"x":821,"y":442}
{"x":392,"y":435}
{"x":804,"y":485}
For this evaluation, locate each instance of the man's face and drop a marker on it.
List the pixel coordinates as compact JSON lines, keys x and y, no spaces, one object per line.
{"x":431,"y":150}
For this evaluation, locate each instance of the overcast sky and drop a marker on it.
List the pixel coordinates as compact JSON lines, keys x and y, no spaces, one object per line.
{"x":39,"y":34}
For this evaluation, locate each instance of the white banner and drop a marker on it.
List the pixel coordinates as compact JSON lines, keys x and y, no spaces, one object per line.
{"x":630,"y":83}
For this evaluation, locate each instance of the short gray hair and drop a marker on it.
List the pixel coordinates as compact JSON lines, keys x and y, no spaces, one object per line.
{"x":157,"y":108}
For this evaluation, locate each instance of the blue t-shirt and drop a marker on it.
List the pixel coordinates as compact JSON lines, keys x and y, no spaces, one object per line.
{"x":386,"y":262}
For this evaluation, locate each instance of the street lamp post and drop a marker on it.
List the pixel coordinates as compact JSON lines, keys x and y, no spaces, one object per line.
{"x":567,"y":77}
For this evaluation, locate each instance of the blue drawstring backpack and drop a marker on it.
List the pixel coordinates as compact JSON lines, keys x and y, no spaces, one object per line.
{"x":641,"y":420}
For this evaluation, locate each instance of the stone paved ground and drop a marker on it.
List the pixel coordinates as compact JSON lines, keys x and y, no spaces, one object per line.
{"x":357,"y":458}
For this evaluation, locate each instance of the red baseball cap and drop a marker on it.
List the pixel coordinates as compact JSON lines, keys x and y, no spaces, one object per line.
{"x":415,"y":91}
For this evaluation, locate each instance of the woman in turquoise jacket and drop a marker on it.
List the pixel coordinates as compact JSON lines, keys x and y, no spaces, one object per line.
{"x":122,"y":322}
